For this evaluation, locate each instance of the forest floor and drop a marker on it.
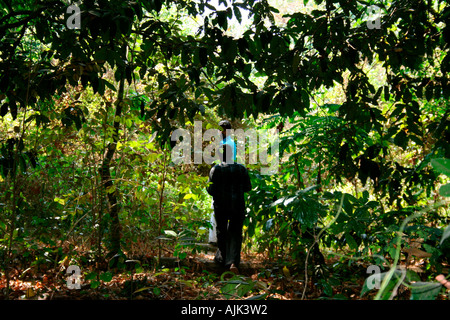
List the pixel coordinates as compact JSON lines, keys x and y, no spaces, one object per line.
{"x":195,"y":278}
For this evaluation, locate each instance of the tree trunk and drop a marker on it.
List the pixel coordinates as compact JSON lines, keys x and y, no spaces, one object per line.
{"x":106,"y":177}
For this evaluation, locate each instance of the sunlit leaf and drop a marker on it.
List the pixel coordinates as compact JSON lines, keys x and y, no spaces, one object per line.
{"x":441,"y":165}
{"x":171,"y":233}
{"x":445,"y":190}
{"x":446,"y":234}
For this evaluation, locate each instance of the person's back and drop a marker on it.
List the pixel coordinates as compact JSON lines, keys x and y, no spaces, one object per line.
{"x":229,"y":182}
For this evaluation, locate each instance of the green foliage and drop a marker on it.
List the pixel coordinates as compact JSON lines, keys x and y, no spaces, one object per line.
{"x":443,"y":166}
{"x":405,"y":277}
{"x":86,"y":115}
{"x":425,"y":291}
{"x":237,"y":287}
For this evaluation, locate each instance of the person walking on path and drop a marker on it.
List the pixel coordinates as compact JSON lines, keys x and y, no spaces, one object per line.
{"x":228,"y":183}
{"x":226,"y":139}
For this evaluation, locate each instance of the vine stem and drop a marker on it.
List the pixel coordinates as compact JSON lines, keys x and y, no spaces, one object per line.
{"x":161,"y":200}
{"x":316,"y":241}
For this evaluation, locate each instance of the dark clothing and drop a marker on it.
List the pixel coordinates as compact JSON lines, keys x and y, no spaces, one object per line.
{"x":229,"y":238}
{"x":228,"y":184}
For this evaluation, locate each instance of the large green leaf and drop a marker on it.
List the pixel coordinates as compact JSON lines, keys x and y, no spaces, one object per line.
{"x":106,"y":276}
{"x":441,"y":165}
{"x":351,"y":241}
{"x":446,"y":234}
{"x":445,"y":190}
{"x":425,"y":290}
{"x":236,"y":287}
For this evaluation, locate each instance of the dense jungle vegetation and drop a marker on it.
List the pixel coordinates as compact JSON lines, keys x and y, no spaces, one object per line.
{"x":355,"y":92}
